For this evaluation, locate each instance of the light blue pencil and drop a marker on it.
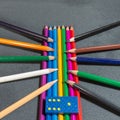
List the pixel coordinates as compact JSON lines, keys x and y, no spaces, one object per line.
{"x":50,"y":65}
{"x":55,"y":74}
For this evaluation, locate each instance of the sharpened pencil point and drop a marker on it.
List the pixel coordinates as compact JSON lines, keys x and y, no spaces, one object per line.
{"x":70,"y":82}
{"x":46,"y":27}
{"x":54,"y":27}
{"x":67,"y":28}
{"x":73,"y":71}
{"x":73,"y":58}
{"x":71,"y":39}
{"x":50,"y":39}
{"x":51,"y":57}
{"x":52,"y":70}
{"x":53,"y":82}
{"x":71,"y":51}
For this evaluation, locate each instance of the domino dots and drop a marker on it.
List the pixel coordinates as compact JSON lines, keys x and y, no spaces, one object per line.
{"x":55,"y":105}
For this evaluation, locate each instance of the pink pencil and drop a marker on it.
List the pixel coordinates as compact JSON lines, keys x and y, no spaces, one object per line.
{"x":43,"y":81}
{"x":70,"y":76}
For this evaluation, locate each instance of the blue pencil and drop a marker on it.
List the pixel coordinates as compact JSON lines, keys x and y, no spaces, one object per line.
{"x":90,"y":60}
{"x":55,"y":74}
{"x":49,"y":76}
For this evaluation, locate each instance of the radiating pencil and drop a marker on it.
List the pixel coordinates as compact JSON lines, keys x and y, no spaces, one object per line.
{"x":70,"y":67}
{"x":96,"y":78}
{"x":95,"y":49}
{"x":95,"y":31}
{"x":43,"y":80}
{"x":91,"y":60}
{"x":75,"y":67}
{"x":55,"y":65}
{"x":25,"y":32}
{"x":25,"y":45}
{"x":10,"y":59}
{"x":50,"y":65}
{"x":25,"y":99}
{"x":95,"y":97}
{"x":60,"y":64}
{"x":65,"y":73}
{"x":25,"y":75}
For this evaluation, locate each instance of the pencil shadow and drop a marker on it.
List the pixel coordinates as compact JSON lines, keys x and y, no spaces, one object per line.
{"x":99,"y":104}
{"x":97,"y":83}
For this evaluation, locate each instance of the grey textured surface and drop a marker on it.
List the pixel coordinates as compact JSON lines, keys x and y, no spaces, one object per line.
{"x":84,"y":15}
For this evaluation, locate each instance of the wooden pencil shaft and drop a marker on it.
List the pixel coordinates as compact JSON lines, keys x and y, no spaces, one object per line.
{"x":25,"y":99}
{"x":100,"y":79}
{"x":97,"y":31}
{"x":25,"y":45}
{"x":98,"y":48}
{"x":23,"y":31}
{"x":10,"y":59}
{"x":97,"y":98}
{"x":24,"y":75}
{"x":91,"y":60}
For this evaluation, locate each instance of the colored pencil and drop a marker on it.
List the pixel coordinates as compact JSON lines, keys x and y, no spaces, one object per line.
{"x":91,"y":60}
{"x":75,"y":67}
{"x":95,"y":97}
{"x":70,"y":67}
{"x":64,"y":61}
{"x":49,"y":76}
{"x":25,"y":75}
{"x":25,"y":45}
{"x":25,"y":99}
{"x":94,"y":32}
{"x":25,"y":32}
{"x":9,"y":59}
{"x":95,"y":49}
{"x":60,"y":69}
{"x":96,"y":78}
{"x":55,"y":65}
{"x":43,"y":80}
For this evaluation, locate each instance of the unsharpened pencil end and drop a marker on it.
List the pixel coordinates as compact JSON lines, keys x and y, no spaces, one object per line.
{"x":51,"y":57}
{"x":70,"y":82}
{"x":50,"y":39}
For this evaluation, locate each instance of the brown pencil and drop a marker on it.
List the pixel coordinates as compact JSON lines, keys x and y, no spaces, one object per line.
{"x":25,"y":45}
{"x":25,"y":99}
{"x":95,"y":48}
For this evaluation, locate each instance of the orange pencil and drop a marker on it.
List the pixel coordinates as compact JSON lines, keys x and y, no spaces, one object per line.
{"x":25,"y":45}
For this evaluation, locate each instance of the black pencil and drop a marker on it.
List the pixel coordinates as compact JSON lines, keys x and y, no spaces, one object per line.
{"x":95,"y":31}
{"x":25,"y":32}
{"x":95,"y":97}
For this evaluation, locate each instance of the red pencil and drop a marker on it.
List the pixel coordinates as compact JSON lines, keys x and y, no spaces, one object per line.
{"x":75,"y":67}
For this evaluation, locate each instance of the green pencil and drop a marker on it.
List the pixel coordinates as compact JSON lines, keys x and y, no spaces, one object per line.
{"x":11,"y":59}
{"x":96,"y":78}
{"x":65,"y":77}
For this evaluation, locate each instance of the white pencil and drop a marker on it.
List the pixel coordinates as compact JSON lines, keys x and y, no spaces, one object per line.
{"x":25,"y":99}
{"x":25,"y":75}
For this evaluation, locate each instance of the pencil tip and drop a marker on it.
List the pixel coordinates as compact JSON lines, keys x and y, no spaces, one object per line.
{"x":54,"y":27}
{"x":71,"y":28}
{"x":51,"y":57}
{"x":67,"y":28}
{"x":53,"y":82}
{"x":50,"y":28}
{"x":71,"y":39}
{"x":73,"y":71}
{"x":73,"y":58}
{"x":53,"y":70}
{"x":46,"y":27}
{"x":50,"y":39}
{"x":63,"y":27}
{"x":70,"y":82}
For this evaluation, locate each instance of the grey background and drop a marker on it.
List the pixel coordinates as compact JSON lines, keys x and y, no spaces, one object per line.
{"x":84,"y":15}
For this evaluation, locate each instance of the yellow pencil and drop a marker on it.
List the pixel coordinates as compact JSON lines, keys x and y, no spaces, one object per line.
{"x":25,"y":45}
{"x":60,"y":75}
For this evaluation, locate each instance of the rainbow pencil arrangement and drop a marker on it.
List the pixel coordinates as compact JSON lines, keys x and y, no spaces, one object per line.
{"x":60,"y":35}
{"x":59,"y":74}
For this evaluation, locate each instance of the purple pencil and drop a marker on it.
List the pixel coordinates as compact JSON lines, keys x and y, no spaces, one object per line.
{"x":43,"y":81}
{"x":70,"y":76}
